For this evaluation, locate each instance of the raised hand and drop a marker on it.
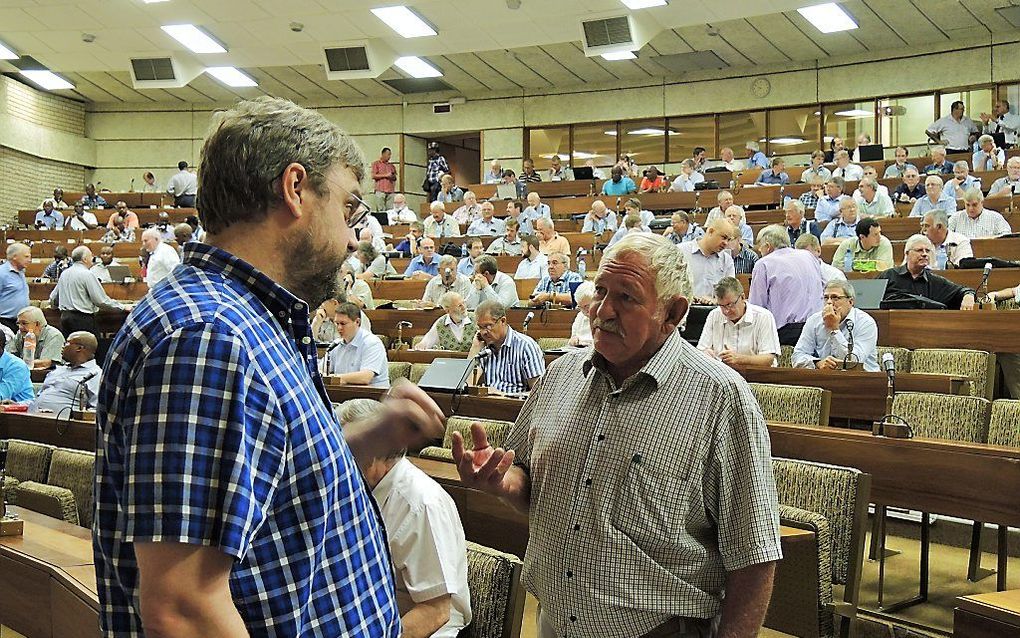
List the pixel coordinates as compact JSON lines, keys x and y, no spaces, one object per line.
{"x":483,"y":467}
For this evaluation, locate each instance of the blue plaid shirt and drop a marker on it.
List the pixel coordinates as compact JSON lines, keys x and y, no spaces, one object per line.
{"x":214,"y":429}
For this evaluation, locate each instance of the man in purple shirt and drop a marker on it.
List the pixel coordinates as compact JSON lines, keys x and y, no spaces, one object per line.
{"x":787,"y":282}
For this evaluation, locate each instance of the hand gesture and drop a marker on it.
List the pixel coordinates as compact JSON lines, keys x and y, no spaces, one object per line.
{"x":829,"y":317}
{"x":730,"y":357}
{"x":483,"y":467}
{"x":480,"y":282}
{"x":829,"y":363}
{"x":412,"y":417}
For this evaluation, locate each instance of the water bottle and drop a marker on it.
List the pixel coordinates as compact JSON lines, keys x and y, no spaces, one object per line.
{"x":463,"y":250}
{"x":941,"y":257}
{"x":28,"y":351}
{"x":848,"y":260}
{"x":581,"y":267}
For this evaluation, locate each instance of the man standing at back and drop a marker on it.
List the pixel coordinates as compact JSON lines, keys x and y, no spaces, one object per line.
{"x":13,"y":286}
{"x":646,"y":470}
{"x":785,"y":281}
{"x":162,"y":257}
{"x":183,"y":186}
{"x":228,"y":500}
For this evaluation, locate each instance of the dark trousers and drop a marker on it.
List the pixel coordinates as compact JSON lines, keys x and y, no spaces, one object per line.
{"x":74,"y":321}
{"x":790,"y":333}
{"x":11,"y":323}
{"x":432,"y":189}
{"x":184,"y":201}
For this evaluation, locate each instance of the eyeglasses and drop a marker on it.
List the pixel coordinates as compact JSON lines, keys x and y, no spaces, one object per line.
{"x":733,"y":304}
{"x":490,"y":326}
{"x":834,"y":298}
{"x":355,"y":209}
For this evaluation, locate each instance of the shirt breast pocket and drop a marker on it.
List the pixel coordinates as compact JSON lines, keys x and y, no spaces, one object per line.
{"x":652,"y":502}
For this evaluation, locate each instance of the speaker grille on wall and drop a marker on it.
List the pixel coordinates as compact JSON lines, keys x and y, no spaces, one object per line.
{"x":607,"y":32}
{"x":347,"y":59}
{"x":152,"y":69}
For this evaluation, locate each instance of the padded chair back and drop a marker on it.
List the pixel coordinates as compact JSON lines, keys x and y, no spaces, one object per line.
{"x":901,"y":356}
{"x":812,"y":521}
{"x":497,"y":431}
{"x":1004,"y":424}
{"x":497,"y":596}
{"x":551,"y":343}
{"x":976,"y":365}
{"x":50,"y":500}
{"x":74,"y":470}
{"x":29,"y":461}
{"x":785,"y":357}
{"x":944,"y":416}
{"x":399,"y":370}
{"x":801,"y":405}
{"x":417,"y":371}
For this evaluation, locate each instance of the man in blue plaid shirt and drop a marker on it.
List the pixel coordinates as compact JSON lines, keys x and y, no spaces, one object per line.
{"x":228,"y":501}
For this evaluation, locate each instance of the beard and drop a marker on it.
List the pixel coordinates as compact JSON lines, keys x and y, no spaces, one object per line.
{"x":312,"y":266}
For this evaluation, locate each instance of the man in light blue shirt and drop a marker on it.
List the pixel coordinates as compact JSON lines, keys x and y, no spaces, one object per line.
{"x":775,"y":176}
{"x":755,"y":158}
{"x":839,"y":336}
{"x":535,"y":265}
{"x":934,"y":198}
{"x":828,"y":206}
{"x":49,"y":219}
{"x":599,"y":219}
{"x":535,"y":210}
{"x":962,"y":181}
{"x":843,"y":226}
{"x":75,"y":385}
{"x":466,"y":265}
{"x":15,"y":380}
{"x":487,"y":224}
{"x":360,"y":358}
{"x":13,"y":286}
{"x":425,"y":265}
{"x":618,"y":184}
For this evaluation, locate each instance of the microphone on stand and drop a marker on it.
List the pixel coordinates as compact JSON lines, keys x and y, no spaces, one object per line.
{"x":527,"y":322}
{"x":79,"y":391}
{"x":848,"y":359}
{"x":891,"y":426}
{"x":400,"y":345}
{"x":326,"y":363}
{"x":983,"y":287}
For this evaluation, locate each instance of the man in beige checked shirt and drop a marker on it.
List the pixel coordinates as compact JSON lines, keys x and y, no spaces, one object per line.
{"x":646,"y":470}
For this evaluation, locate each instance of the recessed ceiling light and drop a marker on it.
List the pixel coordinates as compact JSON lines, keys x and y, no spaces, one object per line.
{"x":194,"y":38}
{"x":619,"y":55}
{"x":152,"y":1}
{"x":828,"y":17}
{"x":6,"y":53}
{"x":417,"y":67}
{"x":47,"y":79}
{"x":786,"y":141}
{"x":647,"y":131}
{"x":854,"y":113}
{"x":643,"y":4}
{"x":404,"y":21}
{"x":231,"y":76}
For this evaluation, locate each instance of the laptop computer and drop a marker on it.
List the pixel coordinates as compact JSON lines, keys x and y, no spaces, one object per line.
{"x":447,"y":375}
{"x":506,"y":191}
{"x":870,"y":293}
{"x":586,"y":173}
{"x":695,"y":322}
{"x":118,"y":273}
{"x":871,"y":152}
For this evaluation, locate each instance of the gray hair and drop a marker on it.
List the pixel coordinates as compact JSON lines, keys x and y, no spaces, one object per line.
{"x":448,"y":261}
{"x":933,"y":179}
{"x":585,"y":292}
{"x":985,"y":138}
{"x":774,"y":235}
{"x":807,"y":240}
{"x":437,"y":206}
{"x":450,"y":298}
{"x":688,"y":163}
{"x":842,"y":153}
{"x":974,"y":194}
{"x":564,"y":257}
{"x":845,"y":287}
{"x":79,"y":253}
{"x":469,"y":194}
{"x":33,"y":314}
{"x":938,"y":149}
{"x":491,"y":308}
{"x":722,"y":195}
{"x":961,"y":164}
{"x":870,"y":183}
{"x":796,"y":204}
{"x":544,"y":222}
{"x":728,"y":285}
{"x":14,"y":249}
{"x":914,"y":240}
{"x":939,"y":217}
{"x":743,"y":217}
{"x":751,"y":145}
{"x":248,"y":148}
{"x":665,"y":261}
{"x":152,"y":232}
{"x":1013,"y":161}
{"x":368,"y":250}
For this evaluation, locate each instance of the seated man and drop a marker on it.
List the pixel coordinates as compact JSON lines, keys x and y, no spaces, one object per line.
{"x":618,"y":184}
{"x":454,"y":330}
{"x":987,"y":157}
{"x":550,"y":241}
{"x":867,"y":251}
{"x":681,"y":228}
{"x":528,"y":173}
{"x":900,"y":166}
{"x":687,"y":179}
{"x":130,"y":217}
{"x":744,"y":258}
{"x":776,"y":175}
{"x":939,"y":165}
{"x":439,"y":224}
{"x":81,"y":219}
{"x":515,"y":213}
{"x":839,"y":336}
{"x":755,"y":158}
{"x":448,"y":190}
{"x":631,"y":224}
{"x":843,"y":226}
{"x":911,"y":189}
{"x":360,"y":358}
{"x":425,"y":538}
{"x":101,"y":269}
{"x":119,"y":233}
{"x":91,"y":199}
{"x":962,"y":181}
{"x":487,"y":224}
{"x":15,"y":379}
{"x":76,"y":385}
{"x":426,"y":264}
{"x":795,"y":222}
{"x":408,"y":247}
{"x":466,"y":265}
{"x":535,"y":265}
{"x":495,"y":173}
{"x":557,"y":172}
{"x":786,"y":282}
{"x":653,"y":181}
{"x":357,"y":291}
{"x":61,"y":262}
{"x":935,"y":197}
{"x":827,"y":207}
{"x":509,"y":243}
{"x":57,"y":200}
{"x":708,"y":261}
{"x":810,"y":244}
{"x":599,"y":219}
{"x":725,"y":200}
{"x":374,"y":266}
{"x":555,"y":286}
{"x":950,"y":246}
{"x":580,"y":330}
{"x":872,"y":174}
{"x":1010,"y":183}
{"x":401,"y":213}
{"x":736,"y":216}
{"x":466,"y":214}
{"x":915,"y":278}
{"x":369,"y":236}
{"x":815,"y":192}
{"x":448,"y":280}
{"x":49,"y":342}
{"x":516,"y":363}
{"x":533,"y":212}
{"x":737,"y":332}
{"x":816,"y":170}
{"x":873,"y":203}
{"x":977,"y":222}
{"x":844,"y":169}
{"x":493,"y":284}
{"x":49,"y":218}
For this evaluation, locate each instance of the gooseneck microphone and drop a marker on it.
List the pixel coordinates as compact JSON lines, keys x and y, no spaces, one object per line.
{"x":527,"y":322}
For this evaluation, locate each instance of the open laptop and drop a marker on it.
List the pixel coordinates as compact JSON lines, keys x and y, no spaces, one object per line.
{"x":871,"y":152}
{"x":447,"y":375}
{"x":506,"y":191}
{"x":118,"y":273}
{"x":870,"y":293}
{"x":584,"y":173}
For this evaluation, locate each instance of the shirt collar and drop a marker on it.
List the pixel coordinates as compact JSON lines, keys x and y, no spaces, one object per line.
{"x":358,"y":340}
{"x":450,"y":322}
{"x":657,"y":368}
{"x":381,"y":492}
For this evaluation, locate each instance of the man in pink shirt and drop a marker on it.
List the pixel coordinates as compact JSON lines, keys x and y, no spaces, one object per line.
{"x":385,"y":175}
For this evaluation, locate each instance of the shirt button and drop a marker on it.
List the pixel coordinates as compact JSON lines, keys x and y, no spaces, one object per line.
{"x":281,"y":314}
{"x":587,"y":481}
{"x":577,"y":527}
{"x":573,"y":619}
{"x":602,"y":437}
{"x":299,"y":306}
{"x":306,"y":340}
{"x":570,"y":574}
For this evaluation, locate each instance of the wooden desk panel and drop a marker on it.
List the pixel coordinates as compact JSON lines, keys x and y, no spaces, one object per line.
{"x":993,"y":615}
{"x":79,"y":435}
{"x":146,"y":214}
{"x":129,"y":292}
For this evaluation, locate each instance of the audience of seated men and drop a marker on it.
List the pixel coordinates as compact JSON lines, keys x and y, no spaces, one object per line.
{"x":961,"y":182}
{"x":816,"y":170}
{"x":448,"y":280}
{"x":618,"y":184}
{"x":490,"y":283}
{"x":61,"y":262}
{"x":101,"y":269}
{"x":557,"y":171}
{"x":74,"y":385}
{"x":810,"y":243}
{"x":708,"y":260}
{"x":631,"y":224}
{"x":1009,"y":184}
{"x":466,"y":265}
{"x":162,"y":257}
{"x":786,"y":282}
{"x":580,"y":330}
{"x":950,"y":247}
{"x":469,"y":211}
{"x":401,"y":213}
{"x":48,"y":340}
{"x":815,"y":192}
{"x":408,"y":246}
{"x":935,"y":196}
{"x":910,"y":189}
{"x":868,"y":250}
{"x":425,"y":538}
{"x":550,"y":241}
{"x":795,"y":222}
{"x":79,"y":296}
{"x":956,"y":131}
{"x":535,"y":265}
{"x":939,"y":164}
{"x":872,"y":202}
{"x":439,"y":225}
{"x":454,"y":330}
{"x":776,"y":175}
{"x":509,"y":243}
{"x":424,"y":265}
{"x":843,"y":226}
{"x":534,"y":211}
{"x":744,"y":258}
{"x":681,"y":228}
{"x":915,"y":277}
{"x":600,"y":219}
{"x":554,"y":287}
{"x":487,"y":224}
{"x":988,"y":157}
{"x":845,"y":170}
{"x":49,"y":218}
{"x":977,"y":222}
{"x":653,"y":181}
{"x":90,"y":199}
{"x":360,"y":357}
{"x":516,"y":362}
{"x":448,"y":190}
{"x":687,"y":179}
{"x":120,"y":233}
{"x":15,"y":379}
{"x":827,"y":207}
{"x":737,"y":332}
{"x":839,"y":336}
{"x":900,"y":164}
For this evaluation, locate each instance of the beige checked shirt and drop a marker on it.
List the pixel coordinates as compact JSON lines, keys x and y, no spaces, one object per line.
{"x":642,"y":496}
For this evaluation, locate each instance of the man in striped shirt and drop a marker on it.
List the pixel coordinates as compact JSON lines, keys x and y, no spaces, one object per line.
{"x":516,"y":362}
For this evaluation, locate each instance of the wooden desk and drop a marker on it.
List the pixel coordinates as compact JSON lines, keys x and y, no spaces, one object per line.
{"x":146,"y":215}
{"x":129,"y":292}
{"x":492,"y":407}
{"x":42,"y":428}
{"x":994,"y":615}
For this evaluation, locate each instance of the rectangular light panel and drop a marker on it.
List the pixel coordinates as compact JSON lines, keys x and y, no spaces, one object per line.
{"x":619,"y":55}
{"x":231,"y":76}
{"x":7,"y":53}
{"x":828,"y":17}
{"x":404,"y":21}
{"x":197,"y":40}
{"x":417,"y":68}
{"x":47,"y":79}
{"x":643,"y":4}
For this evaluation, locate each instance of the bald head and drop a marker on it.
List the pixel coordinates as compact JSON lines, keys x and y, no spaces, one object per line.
{"x":80,"y":347}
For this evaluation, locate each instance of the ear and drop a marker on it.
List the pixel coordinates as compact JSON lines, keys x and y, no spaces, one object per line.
{"x":676,"y":310}
{"x":294,"y":189}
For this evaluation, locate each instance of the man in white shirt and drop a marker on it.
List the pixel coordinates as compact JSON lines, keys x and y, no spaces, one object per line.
{"x":1010,"y":183}
{"x":987,"y":157}
{"x":950,"y":247}
{"x":360,"y":357}
{"x":845,"y":170}
{"x":439,"y":224}
{"x":686,"y":180}
{"x":469,"y":211}
{"x":955,"y":130}
{"x":487,"y":224}
{"x":493,"y":284}
{"x":708,"y":261}
{"x":580,"y":330}
{"x":738,"y":332}
{"x":810,"y":243}
{"x":599,"y":219}
{"x":825,"y":343}
{"x":872,"y":174}
{"x":102,"y":269}
{"x":1000,"y":120}
{"x":453,"y":331}
{"x":81,"y":219}
{"x":183,"y":186}
{"x":535,"y":265}
{"x":873,"y":203}
{"x":725,"y":200}
{"x":400,"y":213}
{"x":728,"y":161}
{"x":448,"y":280}
{"x":977,"y":222}
{"x":425,"y":537}
{"x":162,"y":257}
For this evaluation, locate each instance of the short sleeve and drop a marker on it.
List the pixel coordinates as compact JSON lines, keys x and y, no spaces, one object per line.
{"x":374,"y":358}
{"x":430,"y":552}
{"x":201,"y":449}
{"x":534,"y":361}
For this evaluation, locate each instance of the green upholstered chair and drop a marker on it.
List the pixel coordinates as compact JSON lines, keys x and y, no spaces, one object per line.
{"x":74,"y":470}
{"x":779,"y":612}
{"x":497,"y":596}
{"x":436,"y":453}
{"x":1004,"y":430}
{"x":901,"y":356}
{"x":840,"y":495}
{"x":497,"y":431}
{"x":399,"y":370}
{"x":976,"y":365}
{"x":551,"y":343}
{"x":26,"y":461}
{"x":801,"y":405}
{"x":417,"y":370}
{"x":50,"y":500}
{"x":785,"y":357}
{"x":944,"y":416}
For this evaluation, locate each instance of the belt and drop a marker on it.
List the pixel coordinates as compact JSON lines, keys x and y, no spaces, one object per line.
{"x":677,"y":627}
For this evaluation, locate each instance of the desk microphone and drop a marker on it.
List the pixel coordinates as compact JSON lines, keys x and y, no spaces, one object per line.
{"x":483,"y":354}
{"x":527,"y":321}
{"x":80,"y":390}
{"x":891,"y":425}
{"x":326,"y":366}
{"x":983,"y":287}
